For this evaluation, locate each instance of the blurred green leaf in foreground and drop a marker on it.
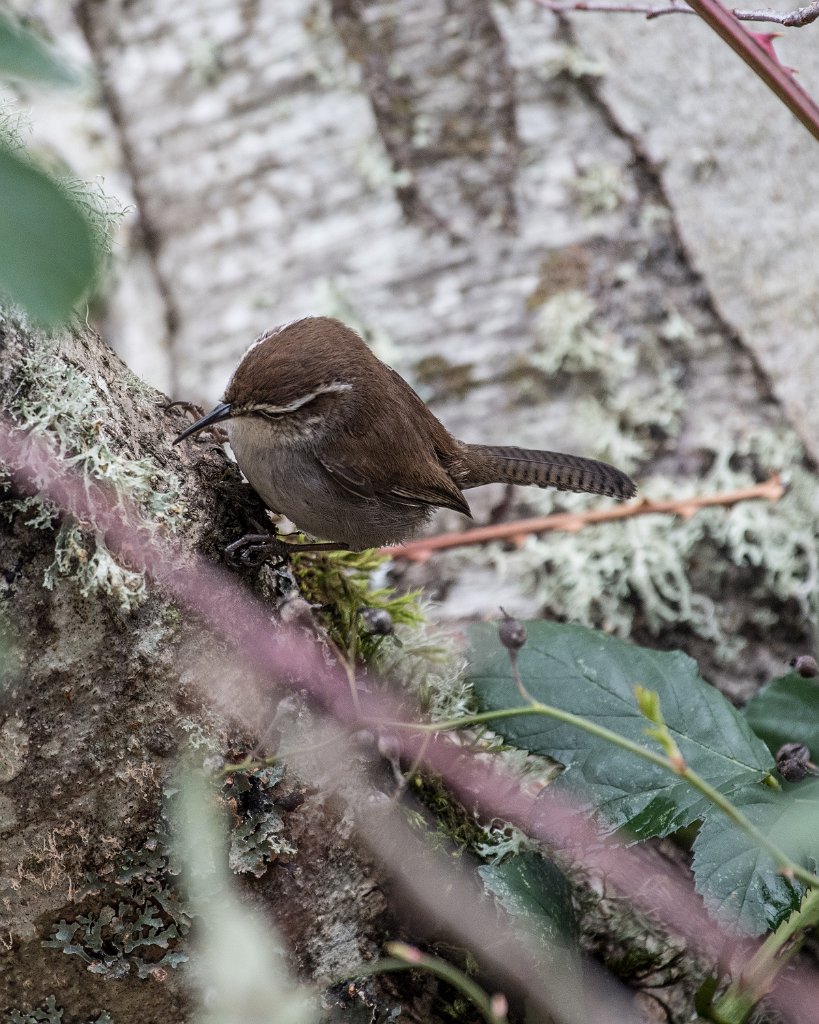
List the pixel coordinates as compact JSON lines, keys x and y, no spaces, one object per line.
{"x":48,"y":257}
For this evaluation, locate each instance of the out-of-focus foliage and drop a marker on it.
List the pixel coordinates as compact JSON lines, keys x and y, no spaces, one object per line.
{"x":48,"y":255}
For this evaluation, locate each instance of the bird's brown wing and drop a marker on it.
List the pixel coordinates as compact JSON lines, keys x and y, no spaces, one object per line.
{"x":435,"y":489}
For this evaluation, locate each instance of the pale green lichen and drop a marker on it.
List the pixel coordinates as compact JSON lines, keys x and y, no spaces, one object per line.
{"x":14,"y":125}
{"x":50,"y":1013}
{"x":572,"y":61}
{"x":503,"y":840}
{"x":62,"y":402}
{"x":102,"y":211}
{"x":139,"y":918}
{"x":633,"y":391}
{"x":656,"y":571}
{"x":257,"y":840}
{"x":95,"y":570}
{"x":668,"y":572}
{"x":426,"y":661}
{"x":598,"y":189}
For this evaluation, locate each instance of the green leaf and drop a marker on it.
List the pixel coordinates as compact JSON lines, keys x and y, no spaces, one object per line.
{"x":534,"y":890}
{"x":593,"y":675}
{"x":786,"y":711}
{"x":23,"y":55}
{"x":739,"y":882}
{"x":47,"y":255}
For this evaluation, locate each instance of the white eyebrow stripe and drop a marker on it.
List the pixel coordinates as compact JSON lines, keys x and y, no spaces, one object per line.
{"x":277,"y":410}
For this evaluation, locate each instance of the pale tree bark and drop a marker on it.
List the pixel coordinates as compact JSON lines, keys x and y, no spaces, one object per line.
{"x":434,"y":173}
{"x":440,"y":176}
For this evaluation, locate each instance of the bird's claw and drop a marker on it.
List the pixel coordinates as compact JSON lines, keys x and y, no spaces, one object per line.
{"x":253,"y":549}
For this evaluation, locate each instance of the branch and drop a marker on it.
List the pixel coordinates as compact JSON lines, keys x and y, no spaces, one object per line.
{"x":518,"y":531}
{"x":753,"y":50}
{"x":790,"y":19}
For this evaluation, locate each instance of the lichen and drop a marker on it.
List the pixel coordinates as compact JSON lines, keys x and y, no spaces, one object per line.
{"x":94,"y":570}
{"x":58,"y":400}
{"x":666,"y":572}
{"x":599,"y":188}
{"x":572,"y":62}
{"x":256,"y":840}
{"x":632,"y":396}
{"x":50,"y":1013}
{"x":139,"y":917}
{"x":135,"y":916}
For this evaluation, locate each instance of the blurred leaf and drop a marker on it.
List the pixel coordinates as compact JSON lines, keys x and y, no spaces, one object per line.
{"x":739,"y":882}
{"x":47,"y":255}
{"x":24,"y":55}
{"x":241,"y":975}
{"x":786,"y":711}
{"x":593,"y":675}
{"x":537,"y":892}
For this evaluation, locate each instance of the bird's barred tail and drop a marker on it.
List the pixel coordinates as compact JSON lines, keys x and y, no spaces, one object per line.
{"x":490,"y":464}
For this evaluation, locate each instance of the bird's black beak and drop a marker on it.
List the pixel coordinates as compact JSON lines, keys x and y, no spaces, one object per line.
{"x":221,"y":412}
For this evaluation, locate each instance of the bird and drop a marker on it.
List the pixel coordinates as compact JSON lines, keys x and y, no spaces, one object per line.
{"x":333,"y":438}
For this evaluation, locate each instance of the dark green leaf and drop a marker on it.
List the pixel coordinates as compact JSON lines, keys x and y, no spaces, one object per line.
{"x":47,"y":257}
{"x":739,"y":882}
{"x":786,"y":711}
{"x":23,"y":55}
{"x":534,"y":890}
{"x":593,"y":675}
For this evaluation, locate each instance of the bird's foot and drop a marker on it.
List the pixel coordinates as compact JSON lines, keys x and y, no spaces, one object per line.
{"x":253,"y":549}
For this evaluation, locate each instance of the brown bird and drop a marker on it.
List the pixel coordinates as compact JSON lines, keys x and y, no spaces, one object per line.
{"x":340,"y":443}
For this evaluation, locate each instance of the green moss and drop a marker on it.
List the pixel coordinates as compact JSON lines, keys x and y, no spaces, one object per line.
{"x":339,"y":585}
{"x":454,"y":823}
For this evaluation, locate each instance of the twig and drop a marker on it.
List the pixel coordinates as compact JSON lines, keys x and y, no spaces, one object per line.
{"x":420,"y":550}
{"x":649,"y":10}
{"x":790,"y":19}
{"x":753,"y":51}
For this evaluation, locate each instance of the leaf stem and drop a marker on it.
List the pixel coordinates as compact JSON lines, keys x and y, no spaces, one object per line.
{"x":405,"y":957}
{"x":742,"y":995}
{"x":536,"y":707}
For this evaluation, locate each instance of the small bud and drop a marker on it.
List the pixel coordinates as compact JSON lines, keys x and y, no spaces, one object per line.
{"x":403,"y":951}
{"x":793,"y":761}
{"x":389,"y":747}
{"x":511,"y":632}
{"x":805,"y":666}
{"x":499,"y":1006}
{"x":295,"y":611}
{"x":377,"y":621}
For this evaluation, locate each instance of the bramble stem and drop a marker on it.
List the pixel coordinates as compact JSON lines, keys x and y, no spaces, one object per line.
{"x":536,"y":707}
